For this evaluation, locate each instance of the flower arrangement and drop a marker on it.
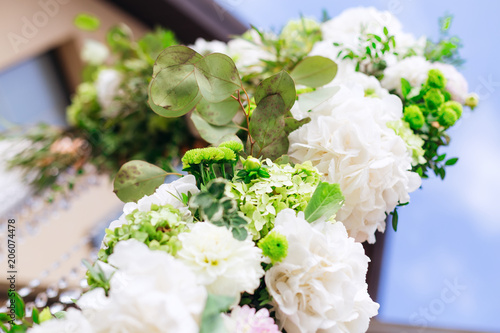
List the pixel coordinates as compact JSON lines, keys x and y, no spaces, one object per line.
{"x":315,"y":142}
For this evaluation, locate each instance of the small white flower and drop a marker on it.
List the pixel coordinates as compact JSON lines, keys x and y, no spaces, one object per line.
{"x":205,"y":47}
{"x":94,"y":52}
{"x":226,"y":266}
{"x":107,"y":85}
{"x":320,"y":286}
{"x":74,"y":322}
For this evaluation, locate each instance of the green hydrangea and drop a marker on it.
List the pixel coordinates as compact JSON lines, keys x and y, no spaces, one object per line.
{"x":157,"y":228}
{"x":263,"y":198}
{"x":274,"y":246}
{"x":414,"y":143}
{"x":414,"y":116}
{"x":436,"y":79}
{"x":433,"y":99}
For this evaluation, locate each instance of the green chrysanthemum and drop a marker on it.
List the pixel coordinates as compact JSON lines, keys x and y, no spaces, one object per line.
{"x":433,"y":99}
{"x":274,"y":246}
{"x":229,"y":155}
{"x":447,"y":117}
{"x":233,"y":145}
{"x":414,"y":116}
{"x":455,"y":106}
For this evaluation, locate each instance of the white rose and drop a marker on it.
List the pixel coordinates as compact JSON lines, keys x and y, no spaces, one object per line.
{"x":226,"y":266}
{"x":320,"y":286}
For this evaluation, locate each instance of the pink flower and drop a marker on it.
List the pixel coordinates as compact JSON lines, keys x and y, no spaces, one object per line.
{"x":245,"y":320}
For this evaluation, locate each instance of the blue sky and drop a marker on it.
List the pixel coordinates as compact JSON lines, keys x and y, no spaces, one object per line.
{"x":449,"y":233}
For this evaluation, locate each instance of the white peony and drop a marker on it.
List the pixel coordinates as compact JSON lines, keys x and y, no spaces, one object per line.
{"x":351,"y":23}
{"x":457,"y":86}
{"x":151,"y":290}
{"x":320,"y":286}
{"x":74,"y":322}
{"x":165,"y":194}
{"x":107,"y":85}
{"x":414,"y":69}
{"x":226,"y":266}
{"x":348,"y":141}
{"x":94,"y":52}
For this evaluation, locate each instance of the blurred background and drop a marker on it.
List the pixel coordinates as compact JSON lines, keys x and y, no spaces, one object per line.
{"x":440,"y":270}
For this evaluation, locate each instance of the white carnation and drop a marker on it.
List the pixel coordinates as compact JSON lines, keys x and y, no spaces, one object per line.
{"x":151,"y":290}
{"x":226,"y":266}
{"x":94,"y":52}
{"x":165,"y":194}
{"x":320,"y":286}
{"x":74,"y":322}
{"x":107,"y":84}
{"x":456,"y":84}
{"x":348,"y":141}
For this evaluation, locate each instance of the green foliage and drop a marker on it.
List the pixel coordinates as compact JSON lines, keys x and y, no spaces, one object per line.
{"x":215,"y":206}
{"x":212,"y":133}
{"x":325,"y":202}
{"x":211,"y":320}
{"x":96,"y":277}
{"x":218,"y":114}
{"x":314,"y":71}
{"x":18,"y":320}
{"x":447,"y":48}
{"x":136,"y":179}
{"x":87,"y":22}
{"x":158,"y":229}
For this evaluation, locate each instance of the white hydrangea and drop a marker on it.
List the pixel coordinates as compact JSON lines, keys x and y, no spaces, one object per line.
{"x":107,"y":85}
{"x":151,"y":290}
{"x":456,"y":84}
{"x":165,"y":194}
{"x":351,"y":23}
{"x":320,"y":286}
{"x":74,"y":322}
{"x":226,"y":266}
{"x":94,"y":52}
{"x":349,"y":142}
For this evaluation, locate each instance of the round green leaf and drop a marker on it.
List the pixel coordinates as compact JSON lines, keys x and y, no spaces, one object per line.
{"x":315,"y":71}
{"x":175,"y":89}
{"x":218,"y":114}
{"x":211,"y":133}
{"x":281,"y":84}
{"x":217,"y":77}
{"x":175,"y":55}
{"x":136,"y":179}
{"x":168,"y":113}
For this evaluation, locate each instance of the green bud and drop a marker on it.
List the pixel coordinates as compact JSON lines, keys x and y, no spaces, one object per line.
{"x":472,"y":100}
{"x":413,"y":116}
{"x":436,"y":79}
{"x":455,"y":106}
{"x":233,"y":145}
{"x":433,"y":99}
{"x":447,"y":117}
{"x":251,"y":164}
{"x":274,"y":246}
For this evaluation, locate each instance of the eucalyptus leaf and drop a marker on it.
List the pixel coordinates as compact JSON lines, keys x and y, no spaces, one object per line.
{"x":167,"y":112}
{"x":218,"y":114}
{"x":175,"y":55}
{"x":211,"y":320}
{"x":325,"y":201}
{"x":136,"y":179}
{"x":314,"y":99}
{"x":315,"y":71}
{"x":217,"y":77}
{"x":211,"y":133}
{"x":281,"y":84}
